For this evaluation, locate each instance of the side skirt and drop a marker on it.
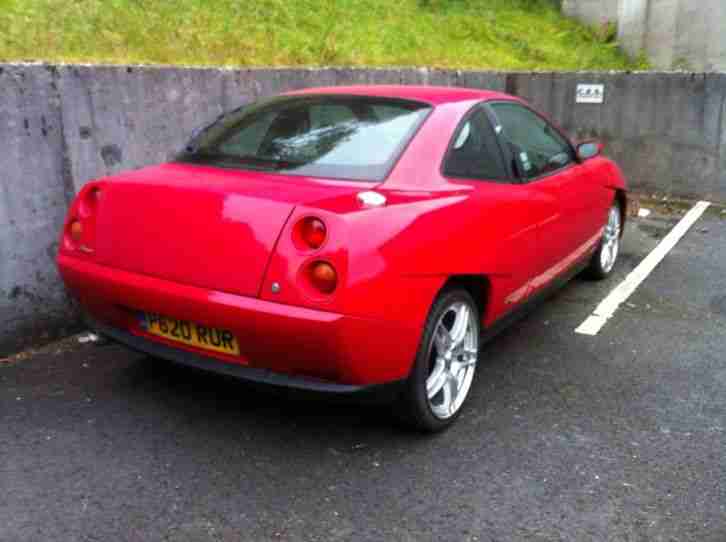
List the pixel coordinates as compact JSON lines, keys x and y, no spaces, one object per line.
{"x":535,"y":301}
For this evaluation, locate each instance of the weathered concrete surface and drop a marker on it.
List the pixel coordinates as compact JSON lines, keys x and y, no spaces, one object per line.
{"x":667,"y":131}
{"x":62,"y":126}
{"x":592,"y":12}
{"x":34,"y":192}
{"x":675,"y":33}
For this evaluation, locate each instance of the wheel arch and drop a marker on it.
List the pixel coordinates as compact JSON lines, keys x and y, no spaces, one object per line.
{"x":478,"y":286}
{"x":622,"y":198}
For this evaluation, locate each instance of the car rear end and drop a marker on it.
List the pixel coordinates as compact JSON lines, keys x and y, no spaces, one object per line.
{"x":183,"y":261}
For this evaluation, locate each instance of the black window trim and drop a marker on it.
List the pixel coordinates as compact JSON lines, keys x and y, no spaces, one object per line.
{"x":573,"y":152}
{"x":512,"y":177}
{"x":394,"y":161}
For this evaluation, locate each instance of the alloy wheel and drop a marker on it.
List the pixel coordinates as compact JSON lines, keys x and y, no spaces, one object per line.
{"x":453,"y":356}
{"x":611,"y":240}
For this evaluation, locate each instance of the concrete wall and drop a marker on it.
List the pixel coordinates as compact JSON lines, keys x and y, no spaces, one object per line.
{"x":700,"y":36}
{"x":62,"y":126}
{"x":632,"y":23}
{"x":666,"y":130}
{"x":592,"y":12}
{"x":34,"y":191}
{"x":675,"y":34}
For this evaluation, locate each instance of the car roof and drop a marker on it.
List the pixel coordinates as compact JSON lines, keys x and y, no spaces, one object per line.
{"x":429,"y":94}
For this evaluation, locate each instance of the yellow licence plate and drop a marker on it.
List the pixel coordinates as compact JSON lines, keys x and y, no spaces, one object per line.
{"x":208,"y":338}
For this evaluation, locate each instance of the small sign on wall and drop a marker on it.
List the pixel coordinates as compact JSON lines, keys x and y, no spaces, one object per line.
{"x":590,"y":94}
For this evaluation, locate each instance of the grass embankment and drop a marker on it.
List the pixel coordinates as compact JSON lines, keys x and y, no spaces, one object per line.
{"x":477,"y":34}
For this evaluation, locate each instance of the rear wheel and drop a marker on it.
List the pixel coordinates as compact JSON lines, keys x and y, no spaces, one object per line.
{"x":604,"y":258}
{"x":445,"y":363}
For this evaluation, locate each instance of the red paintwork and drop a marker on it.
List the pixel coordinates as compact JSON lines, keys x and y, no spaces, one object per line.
{"x":206,"y":244}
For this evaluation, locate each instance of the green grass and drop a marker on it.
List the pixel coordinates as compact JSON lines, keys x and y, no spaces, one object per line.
{"x":477,"y":34}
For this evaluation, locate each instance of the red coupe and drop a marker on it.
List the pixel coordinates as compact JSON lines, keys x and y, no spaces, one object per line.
{"x":340,"y":239}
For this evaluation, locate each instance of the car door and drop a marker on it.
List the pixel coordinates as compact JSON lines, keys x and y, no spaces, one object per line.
{"x":507,"y":211}
{"x":547,"y":164}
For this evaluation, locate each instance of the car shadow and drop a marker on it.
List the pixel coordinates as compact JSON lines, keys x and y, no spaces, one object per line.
{"x":187,"y":391}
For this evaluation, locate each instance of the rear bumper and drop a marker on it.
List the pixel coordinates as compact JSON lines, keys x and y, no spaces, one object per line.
{"x":280,"y":344}
{"x":241,"y":372}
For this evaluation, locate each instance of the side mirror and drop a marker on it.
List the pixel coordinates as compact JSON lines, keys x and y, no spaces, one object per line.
{"x":589,"y":149}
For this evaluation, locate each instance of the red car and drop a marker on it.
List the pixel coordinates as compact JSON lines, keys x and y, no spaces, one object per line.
{"x":340,"y":239}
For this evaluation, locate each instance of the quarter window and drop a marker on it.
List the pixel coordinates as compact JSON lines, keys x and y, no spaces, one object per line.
{"x":537,"y":147}
{"x":474,"y":152}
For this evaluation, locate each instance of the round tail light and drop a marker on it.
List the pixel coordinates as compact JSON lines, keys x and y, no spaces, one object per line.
{"x":76,"y":230}
{"x":310,"y":233}
{"x":80,"y":232}
{"x":323,"y":277}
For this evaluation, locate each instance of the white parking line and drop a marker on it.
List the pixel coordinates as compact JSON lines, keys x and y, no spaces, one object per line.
{"x":605,"y":310}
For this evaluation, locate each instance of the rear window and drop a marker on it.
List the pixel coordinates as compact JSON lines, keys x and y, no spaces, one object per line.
{"x":341,"y":137}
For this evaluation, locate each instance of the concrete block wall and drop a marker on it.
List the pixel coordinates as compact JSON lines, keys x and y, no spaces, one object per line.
{"x":61,"y":126}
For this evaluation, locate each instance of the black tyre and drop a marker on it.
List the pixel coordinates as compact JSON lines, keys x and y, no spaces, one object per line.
{"x":445,"y":364}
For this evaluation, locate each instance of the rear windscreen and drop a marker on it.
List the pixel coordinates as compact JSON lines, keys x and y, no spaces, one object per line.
{"x":340,"y":137}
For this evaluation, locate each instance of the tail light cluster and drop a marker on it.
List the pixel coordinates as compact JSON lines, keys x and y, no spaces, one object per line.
{"x":309,"y":235}
{"x":80,"y":232}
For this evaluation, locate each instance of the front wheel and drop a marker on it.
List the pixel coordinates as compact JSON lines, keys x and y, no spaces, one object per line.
{"x":604,"y":258}
{"x":444,"y":368}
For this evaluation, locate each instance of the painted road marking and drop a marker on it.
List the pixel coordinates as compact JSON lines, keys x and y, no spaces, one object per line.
{"x":606,"y":309}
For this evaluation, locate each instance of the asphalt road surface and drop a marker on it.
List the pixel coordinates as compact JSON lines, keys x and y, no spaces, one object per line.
{"x":566,"y":437}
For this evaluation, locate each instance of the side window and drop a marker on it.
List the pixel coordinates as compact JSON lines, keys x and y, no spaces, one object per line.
{"x":538,"y":148}
{"x":474,"y":152}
